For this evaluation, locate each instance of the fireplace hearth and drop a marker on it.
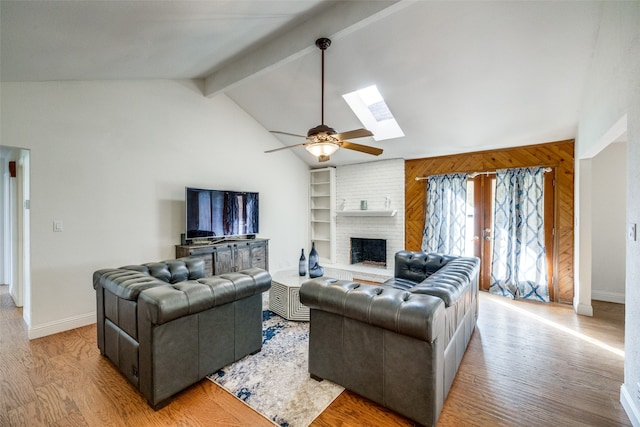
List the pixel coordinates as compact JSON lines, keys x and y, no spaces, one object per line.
{"x":369,"y":251}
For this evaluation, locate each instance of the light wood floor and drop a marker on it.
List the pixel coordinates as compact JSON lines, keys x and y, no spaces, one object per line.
{"x":527,"y":364}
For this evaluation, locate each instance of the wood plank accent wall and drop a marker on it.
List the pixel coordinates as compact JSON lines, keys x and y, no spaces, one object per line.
{"x":558,"y":155}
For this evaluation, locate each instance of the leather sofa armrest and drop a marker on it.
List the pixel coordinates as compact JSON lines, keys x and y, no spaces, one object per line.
{"x":414,"y":315}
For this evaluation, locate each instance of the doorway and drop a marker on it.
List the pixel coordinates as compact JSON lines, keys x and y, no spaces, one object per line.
{"x":15,"y":270}
{"x":481,"y":195}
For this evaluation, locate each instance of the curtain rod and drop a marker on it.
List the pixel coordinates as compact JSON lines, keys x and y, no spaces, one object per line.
{"x":474,"y":174}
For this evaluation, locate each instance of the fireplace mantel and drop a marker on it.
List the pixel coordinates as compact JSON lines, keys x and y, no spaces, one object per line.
{"x":367,"y":212}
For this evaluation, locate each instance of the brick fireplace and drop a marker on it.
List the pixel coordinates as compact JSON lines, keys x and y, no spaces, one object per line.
{"x":373,"y":182}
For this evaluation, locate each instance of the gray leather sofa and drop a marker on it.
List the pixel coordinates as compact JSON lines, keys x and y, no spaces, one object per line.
{"x":166,"y":326}
{"x":399,"y":344}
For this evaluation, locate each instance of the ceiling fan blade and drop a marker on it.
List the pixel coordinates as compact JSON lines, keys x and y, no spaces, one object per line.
{"x":357,"y":133}
{"x":284,"y":148}
{"x":287,"y":133}
{"x":362,"y":148}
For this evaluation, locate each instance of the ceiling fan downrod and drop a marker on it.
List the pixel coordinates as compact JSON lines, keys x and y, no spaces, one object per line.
{"x":323,"y":43}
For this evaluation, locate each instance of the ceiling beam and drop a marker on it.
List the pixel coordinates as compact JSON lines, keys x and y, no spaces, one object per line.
{"x":334,"y":22}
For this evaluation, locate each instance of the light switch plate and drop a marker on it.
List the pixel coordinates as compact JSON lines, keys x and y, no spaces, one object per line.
{"x":57,"y":226}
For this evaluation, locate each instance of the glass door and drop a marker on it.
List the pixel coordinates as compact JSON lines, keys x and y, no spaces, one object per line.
{"x":480,"y":236}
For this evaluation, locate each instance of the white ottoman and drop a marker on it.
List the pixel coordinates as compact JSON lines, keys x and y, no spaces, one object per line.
{"x":284,"y":295}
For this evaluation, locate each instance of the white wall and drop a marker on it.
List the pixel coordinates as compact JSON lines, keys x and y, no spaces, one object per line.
{"x":111,"y":160}
{"x":373,"y":182}
{"x":609,"y":201}
{"x":613,"y":91}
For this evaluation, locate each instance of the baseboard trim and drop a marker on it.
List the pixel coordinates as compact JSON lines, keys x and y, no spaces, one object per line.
{"x":583,"y":309}
{"x":61,"y":325}
{"x":630,"y":407}
{"x":607,"y":296}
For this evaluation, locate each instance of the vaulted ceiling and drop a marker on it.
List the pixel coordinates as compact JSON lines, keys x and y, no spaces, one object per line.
{"x":458,"y":76}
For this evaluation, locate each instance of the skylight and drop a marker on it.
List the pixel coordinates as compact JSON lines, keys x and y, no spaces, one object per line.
{"x":373,"y":112}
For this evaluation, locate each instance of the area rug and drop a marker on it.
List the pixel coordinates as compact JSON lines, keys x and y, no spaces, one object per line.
{"x":275,"y":381}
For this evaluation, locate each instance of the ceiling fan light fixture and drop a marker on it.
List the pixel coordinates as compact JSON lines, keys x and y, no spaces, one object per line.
{"x":322,"y":149}
{"x":323,"y":140}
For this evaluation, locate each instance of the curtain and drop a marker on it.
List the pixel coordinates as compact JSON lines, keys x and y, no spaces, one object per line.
{"x":445,"y":222}
{"x":518,"y":266}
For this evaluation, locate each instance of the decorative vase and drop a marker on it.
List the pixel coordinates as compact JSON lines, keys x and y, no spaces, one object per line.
{"x":302,"y":265}
{"x":314,"y":268}
{"x":313,"y":256}
{"x":316,"y":272}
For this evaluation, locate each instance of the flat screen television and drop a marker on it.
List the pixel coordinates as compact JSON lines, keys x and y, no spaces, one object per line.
{"x":220,"y":214}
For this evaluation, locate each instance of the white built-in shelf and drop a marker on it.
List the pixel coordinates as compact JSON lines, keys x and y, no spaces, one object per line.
{"x":322,"y":202}
{"x":367,"y":212}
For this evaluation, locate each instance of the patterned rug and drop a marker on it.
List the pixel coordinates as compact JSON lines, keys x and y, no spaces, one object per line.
{"x":275,"y":382}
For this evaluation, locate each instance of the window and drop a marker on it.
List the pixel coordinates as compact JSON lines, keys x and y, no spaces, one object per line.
{"x":373,"y":112}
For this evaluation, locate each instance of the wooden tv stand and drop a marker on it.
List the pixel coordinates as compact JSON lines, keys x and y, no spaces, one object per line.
{"x":229,"y":255}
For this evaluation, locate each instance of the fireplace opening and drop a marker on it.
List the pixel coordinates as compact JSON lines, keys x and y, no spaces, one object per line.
{"x":371,"y":252}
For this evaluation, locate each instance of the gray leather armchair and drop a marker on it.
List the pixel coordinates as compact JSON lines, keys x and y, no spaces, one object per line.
{"x":165,"y":326}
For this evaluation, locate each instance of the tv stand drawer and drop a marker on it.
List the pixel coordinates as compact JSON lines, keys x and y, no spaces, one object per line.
{"x":228,"y":256}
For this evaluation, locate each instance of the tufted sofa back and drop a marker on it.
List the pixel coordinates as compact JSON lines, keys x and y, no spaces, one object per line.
{"x":417,"y":266}
{"x":172,"y":271}
{"x":392,"y":309}
{"x":127,"y":282}
{"x":443,"y":276}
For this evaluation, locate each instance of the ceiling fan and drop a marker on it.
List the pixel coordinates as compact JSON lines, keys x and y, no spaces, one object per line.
{"x":322,"y":140}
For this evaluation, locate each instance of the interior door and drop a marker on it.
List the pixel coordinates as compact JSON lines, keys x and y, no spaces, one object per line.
{"x":482,"y":191}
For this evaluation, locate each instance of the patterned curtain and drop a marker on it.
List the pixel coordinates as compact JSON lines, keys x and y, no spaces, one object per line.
{"x":445,"y":223}
{"x":518,"y":266}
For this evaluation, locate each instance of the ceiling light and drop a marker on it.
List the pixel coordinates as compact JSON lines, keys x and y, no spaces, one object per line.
{"x":322,"y":149}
